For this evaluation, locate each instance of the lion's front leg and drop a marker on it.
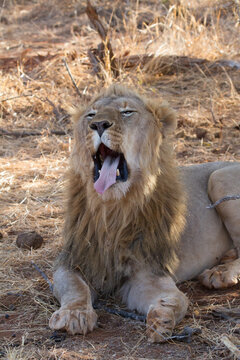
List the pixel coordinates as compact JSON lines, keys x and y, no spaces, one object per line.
{"x":158,"y":298}
{"x":76,"y":314}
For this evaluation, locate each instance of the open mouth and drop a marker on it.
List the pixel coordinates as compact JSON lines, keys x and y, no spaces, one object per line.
{"x":109,"y":167}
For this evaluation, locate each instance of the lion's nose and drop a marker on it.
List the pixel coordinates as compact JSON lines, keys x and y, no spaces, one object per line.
{"x":100,"y":126}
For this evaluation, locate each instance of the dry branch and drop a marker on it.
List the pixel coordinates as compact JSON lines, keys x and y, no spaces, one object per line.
{"x":169,"y":65}
{"x":232,"y":315}
{"x":25,"y":133}
{"x":225,"y":198}
{"x":28,"y":57}
{"x":42,"y":273}
{"x":106,"y":44}
{"x":16,"y":97}
{"x":185,"y":335}
{"x":71,"y":77}
{"x":127,"y":314}
{"x":229,"y":344}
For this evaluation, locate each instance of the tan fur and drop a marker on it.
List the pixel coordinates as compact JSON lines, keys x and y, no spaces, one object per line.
{"x":106,"y":241}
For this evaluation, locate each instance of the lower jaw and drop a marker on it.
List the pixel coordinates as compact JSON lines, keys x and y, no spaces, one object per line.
{"x":113,"y":193}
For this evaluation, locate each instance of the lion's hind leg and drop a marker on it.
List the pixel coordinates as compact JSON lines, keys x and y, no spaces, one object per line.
{"x":224,"y":182}
{"x":224,"y":275}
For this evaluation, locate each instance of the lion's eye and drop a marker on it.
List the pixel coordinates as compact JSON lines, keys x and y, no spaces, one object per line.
{"x":127,"y":112}
{"x":91,"y":115}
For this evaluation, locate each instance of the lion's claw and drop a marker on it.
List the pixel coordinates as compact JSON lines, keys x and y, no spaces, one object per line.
{"x":221,"y":276}
{"x":160,"y":323}
{"x":74,"y":321}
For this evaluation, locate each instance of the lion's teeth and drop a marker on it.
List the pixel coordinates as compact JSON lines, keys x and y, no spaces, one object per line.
{"x":99,"y":171}
{"x":118,"y":172}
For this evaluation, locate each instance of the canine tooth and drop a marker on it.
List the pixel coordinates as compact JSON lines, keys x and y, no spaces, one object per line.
{"x":118,"y":172}
{"x":99,"y":171}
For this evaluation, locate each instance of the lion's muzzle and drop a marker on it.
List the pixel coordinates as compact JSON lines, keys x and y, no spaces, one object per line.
{"x":109,"y":167}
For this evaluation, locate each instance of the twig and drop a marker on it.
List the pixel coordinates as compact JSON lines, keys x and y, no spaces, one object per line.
{"x":185,"y":335}
{"x":16,"y":97}
{"x":106,"y":44}
{"x":233,"y":349}
{"x":126,"y":314}
{"x":25,"y":133}
{"x":55,"y":110}
{"x":232,"y":315}
{"x":71,"y":77}
{"x":225,"y":198}
{"x":43,"y":275}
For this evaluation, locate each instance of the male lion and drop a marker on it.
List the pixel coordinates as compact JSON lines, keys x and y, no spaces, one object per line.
{"x":135,"y":224}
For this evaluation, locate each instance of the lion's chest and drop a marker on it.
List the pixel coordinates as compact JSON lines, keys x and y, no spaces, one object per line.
{"x":105,"y":266}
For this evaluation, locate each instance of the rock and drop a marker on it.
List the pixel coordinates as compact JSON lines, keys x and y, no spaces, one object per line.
{"x":29,"y":240}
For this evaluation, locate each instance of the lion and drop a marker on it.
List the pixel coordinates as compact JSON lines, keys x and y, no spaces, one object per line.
{"x":136,"y":225}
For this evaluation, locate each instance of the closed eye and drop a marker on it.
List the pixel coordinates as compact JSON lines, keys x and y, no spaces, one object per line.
{"x":127,"y":112}
{"x":91,"y":114}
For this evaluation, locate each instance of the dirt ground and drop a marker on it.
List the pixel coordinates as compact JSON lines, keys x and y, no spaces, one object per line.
{"x":36,"y":94}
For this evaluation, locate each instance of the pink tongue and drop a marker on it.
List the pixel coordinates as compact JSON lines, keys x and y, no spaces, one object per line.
{"x":108,"y":174}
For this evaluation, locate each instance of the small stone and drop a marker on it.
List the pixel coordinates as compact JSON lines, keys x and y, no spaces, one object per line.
{"x":29,"y":240}
{"x":201,"y":132}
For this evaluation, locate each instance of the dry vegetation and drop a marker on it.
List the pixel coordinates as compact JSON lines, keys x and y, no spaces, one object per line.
{"x":35,"y":95}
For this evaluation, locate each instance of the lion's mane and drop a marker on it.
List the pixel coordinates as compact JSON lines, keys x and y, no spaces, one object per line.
{"x":107,"y":241}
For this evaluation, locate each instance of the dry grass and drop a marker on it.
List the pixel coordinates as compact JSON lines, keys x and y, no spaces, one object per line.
{"x":35,"y":36}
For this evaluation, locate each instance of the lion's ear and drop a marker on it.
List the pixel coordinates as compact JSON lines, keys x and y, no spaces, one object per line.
{"x":164,"y":116}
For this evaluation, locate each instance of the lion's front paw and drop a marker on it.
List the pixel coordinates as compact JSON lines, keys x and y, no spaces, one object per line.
{"x":74,"y":321}
{"x":160,"y":323}
{"x":221,"y":276}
